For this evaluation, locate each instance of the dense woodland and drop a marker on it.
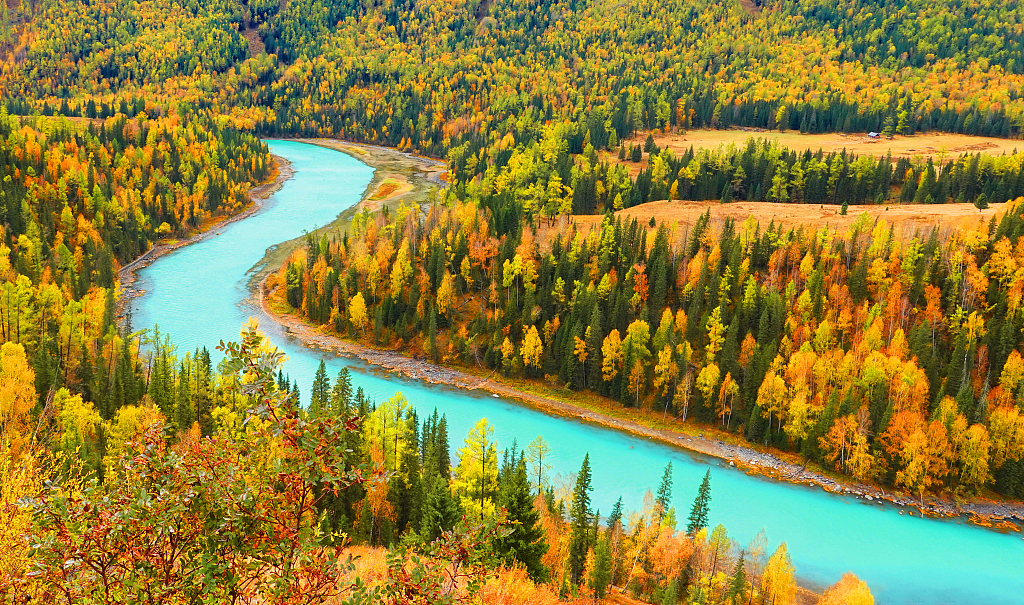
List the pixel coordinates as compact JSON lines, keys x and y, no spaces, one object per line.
{"x":887,"y":356}
{"x":285,"y":489}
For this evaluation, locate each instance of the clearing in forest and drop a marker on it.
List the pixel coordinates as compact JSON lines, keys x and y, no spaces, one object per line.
{"x":907,"y":219}
{"x":940,"y":146}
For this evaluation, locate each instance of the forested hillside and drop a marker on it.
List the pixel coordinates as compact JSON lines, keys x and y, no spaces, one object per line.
{"x":483,"y":84}
{"x":886,"y":358}
{"x":286,"y":491}
{"x":427,"y":71}
{"x":122,"y":123}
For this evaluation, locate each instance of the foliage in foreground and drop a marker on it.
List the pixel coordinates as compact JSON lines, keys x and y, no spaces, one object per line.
{"x":250,"y":515}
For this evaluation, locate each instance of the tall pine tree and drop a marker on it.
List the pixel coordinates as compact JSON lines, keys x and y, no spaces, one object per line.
{"x":579,"y":523}
{"x":698,"y":518}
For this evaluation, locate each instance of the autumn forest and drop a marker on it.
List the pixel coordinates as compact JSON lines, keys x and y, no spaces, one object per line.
{"x":875,"y":352}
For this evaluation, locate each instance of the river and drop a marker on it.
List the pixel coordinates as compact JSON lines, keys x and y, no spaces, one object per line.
{"x":199,"y":295}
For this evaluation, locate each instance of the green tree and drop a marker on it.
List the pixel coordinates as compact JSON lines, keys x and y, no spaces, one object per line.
{"x":526,"y":543}
{"x":341,"y":393}
{"x":664,"y":496}
{"x":320,"y":392}
{"x":698,"y":518}
{"x":441,"y":510}
{"x":579,"y":522}
{"x":601,"y":572}
{"x":738,"y":583}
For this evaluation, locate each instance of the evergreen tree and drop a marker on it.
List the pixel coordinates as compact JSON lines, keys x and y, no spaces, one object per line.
{"x":320,"y":392}
{"x":441,"y":510}
{"x":665,"y":489}
{"x":601,"y":573}
{"x":204,"y":403}
{"x":579,"y":522}
{"x":698,"y":518}
{"x":526,"y":543}
{"x":738,"y":583}
{"x":341,"y":394}
{"x":616,"y":517}
{"x":671,"y":596}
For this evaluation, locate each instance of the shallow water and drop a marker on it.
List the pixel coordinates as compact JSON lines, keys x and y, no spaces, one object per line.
{"x":199,"y":294}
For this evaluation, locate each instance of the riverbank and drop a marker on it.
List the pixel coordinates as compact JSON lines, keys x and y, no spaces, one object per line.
{"x":399,"y":178}
{"x":257,"y":196}
{"x":999,"y":515}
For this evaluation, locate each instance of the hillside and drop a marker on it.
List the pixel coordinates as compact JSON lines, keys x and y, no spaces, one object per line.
{"x":836,"y":324}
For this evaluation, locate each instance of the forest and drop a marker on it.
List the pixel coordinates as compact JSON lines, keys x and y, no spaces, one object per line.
{"x":886,"y":357}
{"x":279,"y":479}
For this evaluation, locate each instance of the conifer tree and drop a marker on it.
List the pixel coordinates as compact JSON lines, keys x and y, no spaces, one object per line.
{"x":341,"y":393}
{"x":665,"y":489}
{"x":738,"y":583}
{"x":526,"y":544}
{"x":698,"y":518}
{"x":441,"y":509}
{"x":616,"y":516}
{"x":601,"y":573}
{"x":579,"y":522}
{"x":320,"y":391}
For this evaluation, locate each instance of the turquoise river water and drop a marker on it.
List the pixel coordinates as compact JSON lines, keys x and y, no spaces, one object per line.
{"x":199,"y":296}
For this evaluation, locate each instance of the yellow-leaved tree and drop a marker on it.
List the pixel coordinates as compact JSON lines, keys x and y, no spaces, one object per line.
{"x":17,"y":396}
{"x":476,"y":476}
{"x":357,"y":312}
{"x":777,"y":583}
{"x":850,"y":590}
{"x":533,"y":349}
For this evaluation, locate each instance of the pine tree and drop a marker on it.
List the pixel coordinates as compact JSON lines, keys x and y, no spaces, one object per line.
{"x":671,"y":595}
{"x":616,"y":516}
{"x":319,"y":393}
{"x":601,"y":573}
{"x":341,"y":394}
{"x":665,"y":489}
{"x":204,"y":409}
{"x":738,"y":583}
{"x":441,"y":510}
{"x":526,"y":543}
{"x":579,"y":522}
{"x":698,"y":518}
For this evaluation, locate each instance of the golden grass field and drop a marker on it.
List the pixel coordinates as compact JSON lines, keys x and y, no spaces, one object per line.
{"x":907,"y":220}
{"x":940,"y":146}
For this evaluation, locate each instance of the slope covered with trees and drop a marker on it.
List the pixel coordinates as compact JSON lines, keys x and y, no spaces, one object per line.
{"x":77,"y":202}
{"x":285,"y":490}
{"x":888,"y":358}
